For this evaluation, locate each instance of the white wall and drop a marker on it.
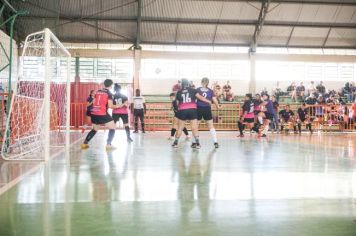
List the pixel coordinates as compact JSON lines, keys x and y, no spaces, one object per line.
{"x":5,"y":40}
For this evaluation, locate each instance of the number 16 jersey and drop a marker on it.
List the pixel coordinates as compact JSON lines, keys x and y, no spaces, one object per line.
{"x":187,"y":99}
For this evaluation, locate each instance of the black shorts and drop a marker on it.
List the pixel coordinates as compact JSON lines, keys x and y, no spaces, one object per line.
{"x":249,"y":120}
{"x":101,"y":120}
{"x":138,"y":112}
{"x":269,"y":116}
{"x":188,"y":114}
{"x":124,"y":117}
{"x":88,"y":113}
{"x":204,"y":113}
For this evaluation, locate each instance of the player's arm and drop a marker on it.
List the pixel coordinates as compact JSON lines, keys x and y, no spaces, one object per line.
{"x":216,"y":103}
{"x":90,"y":103}
{"x":202,"y":98}
{"x":111,"y":105}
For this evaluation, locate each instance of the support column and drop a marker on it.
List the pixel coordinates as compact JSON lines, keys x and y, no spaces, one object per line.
{"x":137,"y":68}
{"x":252,"y":83}
{"x":76,"y":80}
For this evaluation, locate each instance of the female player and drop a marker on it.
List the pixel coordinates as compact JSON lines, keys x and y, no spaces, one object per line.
{"x":247,"y":116}
{"x":122,"y":112}
{"x":89,"y":104}
{"x":187,"y":111}
{"x":204,"y":109}
{"x":175,"y":120}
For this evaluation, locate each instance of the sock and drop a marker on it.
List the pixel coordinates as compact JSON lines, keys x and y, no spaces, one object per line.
{"x":173,"y":132}
{"x":213,"y":134}
{"x":142,"y":126}
{"x":260,"y":119}
{"x":241,"y":127}
{"x":309,"y":127}
{"x":110,"y":136}
{"x":176,"y":139}
{"x":90,"y":135}
{"x":265,"y":131}
{"x":300,"y":127}
{"x":282,"y":127}
{"x":196,"y":139}
{"x":185,"y":131}
{"x":127,"y":129}
{"x":295,"y":128}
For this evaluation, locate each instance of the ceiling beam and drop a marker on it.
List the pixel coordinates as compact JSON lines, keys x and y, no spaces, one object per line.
{"x":203,"y":21}
{"x":138,"y":24}
{"x":259,"y":25}
{"x":305,"y":2}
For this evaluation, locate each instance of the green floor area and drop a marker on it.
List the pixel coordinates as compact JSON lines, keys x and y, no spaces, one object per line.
{"x":283,"y":185}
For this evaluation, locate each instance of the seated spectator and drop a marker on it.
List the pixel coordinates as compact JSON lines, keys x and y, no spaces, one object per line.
{"x":347,"y":92}
{"x":217,"y":90}
{"x":311,"y":100}
{"x":277,"y":91}
{"x":292,"y":91}
{"x":228,"y":95}
{"x":264,"y":91}
{"x":353,"y":90}
{"x":177,"y":87}
{"x":321,"y":88}
{"x":311,"y":88}
{"x":191,"y":84}
{"x":300,"y":90}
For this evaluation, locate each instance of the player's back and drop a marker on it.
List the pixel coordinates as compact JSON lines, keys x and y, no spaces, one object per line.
{"x":100,"y":104}
{"x":207,"y":93}
{"x":186,"y":98}
{"x":120,"y":99}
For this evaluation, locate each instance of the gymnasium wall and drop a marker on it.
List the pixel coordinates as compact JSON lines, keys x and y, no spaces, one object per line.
{"x":5,"y":41}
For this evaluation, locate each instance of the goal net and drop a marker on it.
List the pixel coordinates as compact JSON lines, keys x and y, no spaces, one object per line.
{"x":38,"y":120}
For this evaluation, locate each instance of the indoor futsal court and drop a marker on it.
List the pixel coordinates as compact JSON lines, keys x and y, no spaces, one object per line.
{"x":177,"y":117}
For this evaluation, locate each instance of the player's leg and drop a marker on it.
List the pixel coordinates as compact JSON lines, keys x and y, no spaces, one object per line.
{"x":181,"y":124}
{"x":111,"y":126}
{"x":125,"y":120}
{"x":89,"y":136}
{"x":174,"y":127}
{"x":241,"y":127}
{"x":195,"y":131}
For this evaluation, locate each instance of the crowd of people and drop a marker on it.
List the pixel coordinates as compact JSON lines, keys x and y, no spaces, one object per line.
{"x":314,"y":92}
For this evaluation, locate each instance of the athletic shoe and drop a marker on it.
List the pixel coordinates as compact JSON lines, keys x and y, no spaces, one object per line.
{"x":129,"y":140}
{"x":240,"y":136}
{"x":216,"y":145}
{"x":110,"y":147}
{"x":264,"y":136}
{"x":197,"y":146}
{"x":84,"y":146}
{"x":143,"y":131}
{"x":175,"y":144}
{"x":194,"y":145}
{"x":136,"y":131}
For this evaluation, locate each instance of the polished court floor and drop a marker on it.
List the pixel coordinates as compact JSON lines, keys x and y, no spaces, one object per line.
{"x":283,"y":185}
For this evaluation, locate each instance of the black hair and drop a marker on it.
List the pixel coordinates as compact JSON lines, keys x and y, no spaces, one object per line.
{"x":117,"y":87}
{"x":249,"y":95}
{"x":108,"y":83}
{"x":185,"y":83}
{"x":172,"y":94}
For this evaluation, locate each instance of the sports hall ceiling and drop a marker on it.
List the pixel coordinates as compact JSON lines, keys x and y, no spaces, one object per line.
{"x":274,"y":23}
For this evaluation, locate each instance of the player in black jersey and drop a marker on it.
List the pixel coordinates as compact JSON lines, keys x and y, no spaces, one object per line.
{"x":287,"y":119}
{"x":303,"y":117}
{"x":175,"y":120}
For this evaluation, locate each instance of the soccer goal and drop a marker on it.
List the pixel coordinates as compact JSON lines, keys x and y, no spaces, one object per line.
{"x":38,"y":121}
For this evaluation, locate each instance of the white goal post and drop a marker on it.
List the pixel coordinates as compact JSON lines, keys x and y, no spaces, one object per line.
{"x":38,"y":123}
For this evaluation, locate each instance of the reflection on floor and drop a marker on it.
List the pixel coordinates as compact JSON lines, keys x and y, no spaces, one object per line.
{"x":283,"y":185}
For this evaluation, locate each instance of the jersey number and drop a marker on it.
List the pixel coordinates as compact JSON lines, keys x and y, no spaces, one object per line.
{"x":204,"y":95}
{"x":97,"y":100}
{"x":186,"y":98}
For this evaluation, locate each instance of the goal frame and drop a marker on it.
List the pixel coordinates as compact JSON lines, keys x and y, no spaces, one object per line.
{"x":48,"y":36}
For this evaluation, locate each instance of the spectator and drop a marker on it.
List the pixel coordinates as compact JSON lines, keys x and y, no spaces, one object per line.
{"x":228,"y":95}
{"x":264,"y":91}
{"x":353,"y":111}
{"x":275,"y":122}
{"x":177,"y":87}
{"x":292,"y":91}
{"x":347,"y":92}
{"x":311,"y":100}
{"x":353,"y":90}
{"x":217,"y":90}
{"x":191,"y":84}
{"x":300,"y":90}
{"x":321,"y":88}
{"x":311,"y":88}
{"x":277,"y":91}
